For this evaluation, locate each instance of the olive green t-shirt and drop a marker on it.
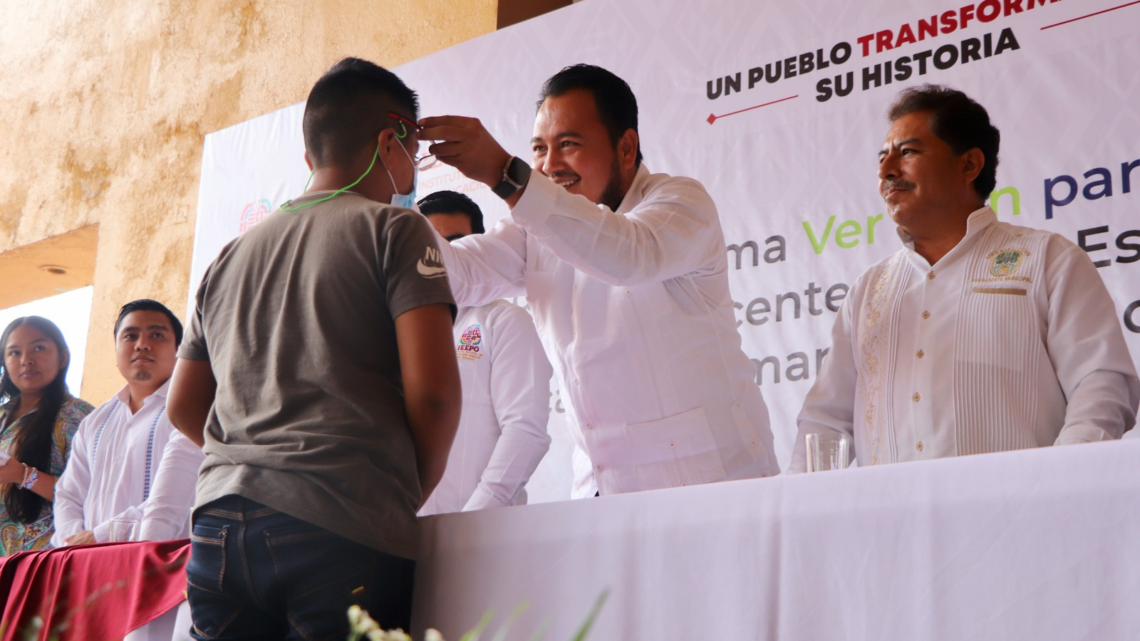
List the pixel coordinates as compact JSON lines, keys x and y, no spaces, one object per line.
{"x":297,"y":319}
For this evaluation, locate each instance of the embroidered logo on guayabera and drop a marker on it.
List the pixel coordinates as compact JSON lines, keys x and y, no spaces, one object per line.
{"x":469,"y":342}
{"x":1006,"y":262}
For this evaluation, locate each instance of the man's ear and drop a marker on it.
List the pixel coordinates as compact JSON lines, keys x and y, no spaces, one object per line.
{"x":387,"y":140}
{"x":308,"y":162}
{"x":973,"y":161}
{"x":627,"y":149}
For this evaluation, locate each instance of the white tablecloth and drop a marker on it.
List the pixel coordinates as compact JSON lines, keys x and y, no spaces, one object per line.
{"x":1035,"y":545}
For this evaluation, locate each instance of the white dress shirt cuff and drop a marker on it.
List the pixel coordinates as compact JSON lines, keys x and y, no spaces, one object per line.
{"x":102,"y":531}
{"x":1083,"y":434}
{"x":481,"y":499}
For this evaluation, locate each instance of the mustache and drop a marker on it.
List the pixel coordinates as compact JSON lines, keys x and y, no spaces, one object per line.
{"x":905,"y":185}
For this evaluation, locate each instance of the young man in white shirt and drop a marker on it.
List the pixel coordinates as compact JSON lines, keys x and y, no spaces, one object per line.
{"x":977,"y":336}
{"x":506,"y":388}
{"x":627,"y":278}
{"x":127,"y":462}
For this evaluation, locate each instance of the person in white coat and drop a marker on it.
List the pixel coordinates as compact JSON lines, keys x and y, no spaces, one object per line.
{"x":506,"y":388}
{"x":978,"y":335}
{"x":626,"y":274}
{"x":127,"y":462}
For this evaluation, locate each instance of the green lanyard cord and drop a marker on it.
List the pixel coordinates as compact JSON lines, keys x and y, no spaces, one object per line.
{"x":285,"y":205}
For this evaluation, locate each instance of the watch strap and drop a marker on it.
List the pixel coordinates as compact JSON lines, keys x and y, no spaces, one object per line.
{"x":516,"y":173}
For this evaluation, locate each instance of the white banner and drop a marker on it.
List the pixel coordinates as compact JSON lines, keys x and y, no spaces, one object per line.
{"x":779,"y":110}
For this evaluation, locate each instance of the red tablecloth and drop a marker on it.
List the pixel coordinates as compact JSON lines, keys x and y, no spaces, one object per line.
{"x":90,"y":592}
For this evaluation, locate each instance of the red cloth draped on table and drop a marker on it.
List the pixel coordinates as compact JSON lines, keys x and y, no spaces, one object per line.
{"x":90,"y":592}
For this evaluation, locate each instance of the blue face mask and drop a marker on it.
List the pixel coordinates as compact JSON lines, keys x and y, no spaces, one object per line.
{"x":407,"y":201}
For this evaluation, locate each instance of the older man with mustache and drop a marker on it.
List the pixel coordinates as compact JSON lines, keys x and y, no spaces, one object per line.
{"x":977,"y":336}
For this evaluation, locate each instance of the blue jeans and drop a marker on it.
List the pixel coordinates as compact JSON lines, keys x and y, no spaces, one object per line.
{"x":256,"y":573}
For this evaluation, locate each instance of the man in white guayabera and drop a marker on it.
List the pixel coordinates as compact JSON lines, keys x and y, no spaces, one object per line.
{"x":130,"y":474}
{"x":627,"y":278}
{"x":977,"y":336}
{"x":506,"y":388}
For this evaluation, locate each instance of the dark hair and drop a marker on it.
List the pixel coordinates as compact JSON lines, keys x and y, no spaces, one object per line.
{"x":33,"y":443}
{"x":349,"y":106}
{"x":617,"y":106}
{"x":148,"y":305}
{"x":959,"y":121}
{"x":453,"y":202}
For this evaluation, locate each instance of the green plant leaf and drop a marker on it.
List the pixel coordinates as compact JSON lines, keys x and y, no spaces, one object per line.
{"x":474,"y":633}
{"x":584,"y":629}
{"x":541,"y":631}
{"x":501,"y":635}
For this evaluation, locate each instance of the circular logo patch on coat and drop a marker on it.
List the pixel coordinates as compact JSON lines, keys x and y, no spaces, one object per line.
{"x":1006,"y":262}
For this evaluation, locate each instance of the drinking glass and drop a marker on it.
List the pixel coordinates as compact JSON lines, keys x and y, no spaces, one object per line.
{"x":828,"y":451}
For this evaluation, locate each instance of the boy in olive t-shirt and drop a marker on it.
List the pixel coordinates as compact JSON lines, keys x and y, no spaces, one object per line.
{"x":318,"y":376}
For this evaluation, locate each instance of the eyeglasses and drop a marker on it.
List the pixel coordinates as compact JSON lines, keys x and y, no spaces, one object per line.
{"x":423,"y":160}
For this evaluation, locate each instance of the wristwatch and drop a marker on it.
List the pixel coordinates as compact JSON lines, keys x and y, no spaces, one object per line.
{"x":515,"y":176}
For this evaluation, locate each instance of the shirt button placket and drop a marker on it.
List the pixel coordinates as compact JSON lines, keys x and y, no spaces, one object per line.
{"x":919,"y":413}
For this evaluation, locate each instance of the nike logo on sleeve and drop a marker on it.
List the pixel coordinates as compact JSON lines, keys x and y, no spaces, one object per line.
{"x":431,"y":265}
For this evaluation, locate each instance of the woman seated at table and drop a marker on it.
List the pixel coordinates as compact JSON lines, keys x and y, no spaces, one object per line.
{"x":38,"y":418}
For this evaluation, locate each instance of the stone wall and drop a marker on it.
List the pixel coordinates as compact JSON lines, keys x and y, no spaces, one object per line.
{"x":105,"y":105}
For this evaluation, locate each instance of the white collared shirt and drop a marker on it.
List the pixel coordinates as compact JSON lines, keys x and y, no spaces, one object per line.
{"x":1010,"y":341}
{"x":506,"y":403}
{"x":125,"y":465}
{"x":635,"y":313}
